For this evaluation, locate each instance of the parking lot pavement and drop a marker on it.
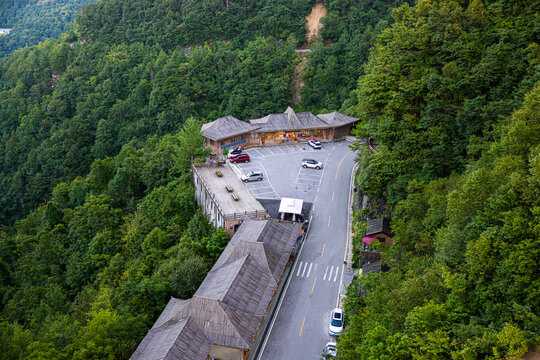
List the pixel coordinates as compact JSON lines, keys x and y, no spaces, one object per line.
{"x":285,"y":149}
{"x":309,"y":177}
{"x":259,"y":189}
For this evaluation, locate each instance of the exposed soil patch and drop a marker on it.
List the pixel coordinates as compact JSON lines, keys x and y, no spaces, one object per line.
{"x":313,"y":21}
{"x":532,"y":355}
{"x":299,"y":80}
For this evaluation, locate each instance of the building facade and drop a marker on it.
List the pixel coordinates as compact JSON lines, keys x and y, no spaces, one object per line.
{"x":228,"y":132}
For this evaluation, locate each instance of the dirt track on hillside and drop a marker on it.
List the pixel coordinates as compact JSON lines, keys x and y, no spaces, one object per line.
{"x":313,"y":21}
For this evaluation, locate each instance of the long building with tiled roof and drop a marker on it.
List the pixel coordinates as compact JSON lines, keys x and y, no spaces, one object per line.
{"x":227,"y":315}
{"x":228,"y":132}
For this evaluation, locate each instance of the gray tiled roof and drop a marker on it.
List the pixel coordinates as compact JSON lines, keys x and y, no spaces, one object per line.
{"x":288,"y":121}
{"x":178,"y":340}
{"x":232,"y":301}
{"x":269,"y":241}
{"x":225,"y":127}
{"x":336,"y":119}
{"x":378,"y":225}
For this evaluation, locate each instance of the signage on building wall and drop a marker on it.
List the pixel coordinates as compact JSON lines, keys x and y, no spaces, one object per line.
{"x":233,"y":144}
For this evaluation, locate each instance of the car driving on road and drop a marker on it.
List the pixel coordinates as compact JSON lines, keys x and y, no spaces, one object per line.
{"x":252,"y":176}
{"x":310,"y":163}
{"x":336,"y":322}
{"x":314,"y":144}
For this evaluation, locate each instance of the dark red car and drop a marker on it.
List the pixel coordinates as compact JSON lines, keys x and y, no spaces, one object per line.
{"x":240,"y":158}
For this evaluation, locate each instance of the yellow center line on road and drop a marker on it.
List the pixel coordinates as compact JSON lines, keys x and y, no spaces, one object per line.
{"x":329,"y":220}
{"x":302,"y":327}
{"x":332,"y":196}
{"x":313,"y":287}
{"x":344,"y":156}
{"x":324,"y":246}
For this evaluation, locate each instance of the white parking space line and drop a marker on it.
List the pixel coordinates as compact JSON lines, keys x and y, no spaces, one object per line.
{"x":311,"y":176}
{"x":257,"y":152}
{"x":253,"y":187}
{"x":302,"y":181}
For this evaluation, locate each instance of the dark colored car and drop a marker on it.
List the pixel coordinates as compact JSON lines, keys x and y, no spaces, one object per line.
{"x":240,"y":158}
{"x":234,"y":152}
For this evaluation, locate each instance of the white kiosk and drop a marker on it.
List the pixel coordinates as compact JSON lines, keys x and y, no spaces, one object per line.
{"x":291,"y":209}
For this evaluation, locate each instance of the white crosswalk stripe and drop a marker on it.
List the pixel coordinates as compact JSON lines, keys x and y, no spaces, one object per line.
{"x":307,"y":269}
{"x":299,"y":267}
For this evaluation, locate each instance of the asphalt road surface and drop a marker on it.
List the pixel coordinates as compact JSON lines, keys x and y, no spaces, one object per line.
{"x":300,"y":329}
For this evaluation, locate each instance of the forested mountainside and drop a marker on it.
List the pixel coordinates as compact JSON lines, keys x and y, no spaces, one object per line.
{"x":438,"y":85}
{"x":100,"y":225}
{"x":86,"y":274}
{"x":451,"y":93}
{"x":33,"y":21}
{"x":65,"y":103}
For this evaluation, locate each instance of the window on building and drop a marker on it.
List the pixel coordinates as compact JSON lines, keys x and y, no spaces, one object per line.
{"x":232,"y":139}
{"x":254,"y":136}
{"x":222,"y":142}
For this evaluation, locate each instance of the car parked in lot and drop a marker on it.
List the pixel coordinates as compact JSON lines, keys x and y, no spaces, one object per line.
{"x":336,"y":322}
{"x":240,"y":158}
{"x":314,"y":144}
{"x":310,"y":163}
{"x":330,"y":350}
{"x":234,"y":152}
{"x":252,"y":176}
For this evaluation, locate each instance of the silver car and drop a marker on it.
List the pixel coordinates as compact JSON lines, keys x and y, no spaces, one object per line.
{"x":330,"y":350}
{"x":310,"y":163}
{"x":252,"y":176}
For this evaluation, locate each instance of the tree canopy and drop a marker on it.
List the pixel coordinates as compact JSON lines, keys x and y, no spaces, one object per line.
{"x":451,"y":93}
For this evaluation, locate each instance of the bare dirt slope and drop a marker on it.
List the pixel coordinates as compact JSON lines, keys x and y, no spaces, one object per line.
{"x":314,"y":26}
{"x":313,"y":21}
{"x":299,"y":81}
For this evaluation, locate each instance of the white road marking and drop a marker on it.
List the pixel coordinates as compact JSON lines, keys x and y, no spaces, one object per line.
{"x":330,"y":276}
{"x":304,"y":271}
{"x":326,"y":271}
{"x":299,"y":267}
{"x":310,"y":265}
{"x":337,"y":272}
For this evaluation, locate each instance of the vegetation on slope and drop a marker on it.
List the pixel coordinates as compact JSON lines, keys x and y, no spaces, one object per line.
{"x":451,"y":93}
{"x":33,"y":21}
{"x":62,"y":107}
{"x":86,"y":274}
{"x":464,"y":282}
{"x":437,"y":83}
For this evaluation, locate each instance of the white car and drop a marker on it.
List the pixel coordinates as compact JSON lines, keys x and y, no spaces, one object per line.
{"x":252,"y":176}
{"x":310,"y":163}
{"x":336,"y":322}
{"x":314,"y":144}
{"x":330,"y":350}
